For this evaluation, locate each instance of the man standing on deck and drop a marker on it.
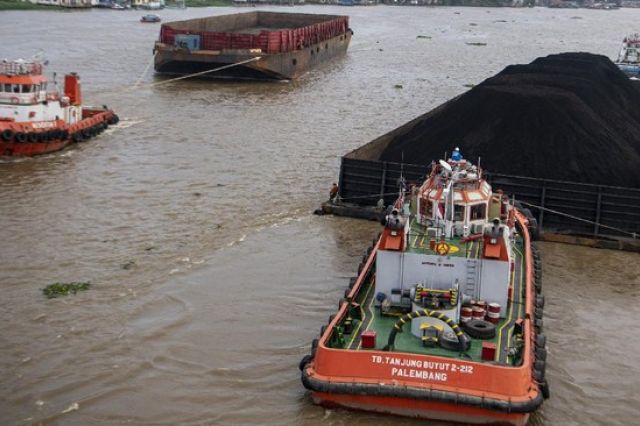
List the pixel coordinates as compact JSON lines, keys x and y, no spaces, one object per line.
{"x":333,"y":193}
{"x":457,"y":155}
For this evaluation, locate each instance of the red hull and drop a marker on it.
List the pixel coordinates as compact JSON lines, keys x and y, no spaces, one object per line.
{"x":26,"y":140}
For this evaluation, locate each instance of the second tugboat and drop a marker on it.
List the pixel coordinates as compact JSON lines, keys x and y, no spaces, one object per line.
{"x":36,"y":119}
{"x":444,"y":320}
{"x":629,"y":56}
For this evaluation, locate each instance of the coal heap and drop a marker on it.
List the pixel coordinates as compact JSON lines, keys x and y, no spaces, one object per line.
{"x":571,"y":116}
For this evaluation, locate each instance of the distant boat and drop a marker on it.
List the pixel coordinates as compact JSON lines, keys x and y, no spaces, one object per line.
{"x":35,"y":118}
{"x":150,"y":18}
{"x":629,"y":56}
{"x":117,"y":6}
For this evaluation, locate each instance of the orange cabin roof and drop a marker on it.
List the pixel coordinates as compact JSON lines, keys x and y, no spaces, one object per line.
{"x":22,"y":79}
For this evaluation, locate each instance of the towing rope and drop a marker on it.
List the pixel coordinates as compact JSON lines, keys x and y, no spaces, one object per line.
{"x":570,"y":216}
{"x":138,"y":86}
{"x":633,"y":235}
{"x":224,"y":67}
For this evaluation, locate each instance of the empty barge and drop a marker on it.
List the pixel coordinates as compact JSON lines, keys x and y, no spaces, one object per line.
{"x":255,"y":45}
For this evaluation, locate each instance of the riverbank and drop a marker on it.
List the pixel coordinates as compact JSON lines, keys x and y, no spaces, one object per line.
{"x":208,"y":3}
{"x":25,"y":5}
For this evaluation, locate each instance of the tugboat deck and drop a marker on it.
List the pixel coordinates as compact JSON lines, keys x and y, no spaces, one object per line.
{"x":407,"y":343}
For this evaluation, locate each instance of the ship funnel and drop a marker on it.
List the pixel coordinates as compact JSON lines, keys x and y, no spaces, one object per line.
{"x":72,"y":88}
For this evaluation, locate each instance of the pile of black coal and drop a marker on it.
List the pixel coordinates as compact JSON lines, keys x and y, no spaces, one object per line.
{"x":571,"y":116}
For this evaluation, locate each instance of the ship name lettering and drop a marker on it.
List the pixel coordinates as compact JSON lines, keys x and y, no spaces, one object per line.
{"x":419,"y":374}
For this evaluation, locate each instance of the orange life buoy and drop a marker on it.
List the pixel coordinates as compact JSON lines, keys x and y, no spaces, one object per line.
{"x":442,"y":248}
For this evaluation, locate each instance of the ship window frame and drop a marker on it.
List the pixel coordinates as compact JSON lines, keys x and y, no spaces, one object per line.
{"x":457,"y":210}
{"x":482,"y":208}
{"x":25,"y":88}
{"x":6,"y":87}
{"x":15,"y":88}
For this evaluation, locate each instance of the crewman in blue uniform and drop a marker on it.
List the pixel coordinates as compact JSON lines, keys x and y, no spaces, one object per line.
{"x":457,"y":155}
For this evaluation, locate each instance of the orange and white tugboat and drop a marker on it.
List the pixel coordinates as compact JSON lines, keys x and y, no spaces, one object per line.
{"x":444,"y":320}
{"x":36,"y":119}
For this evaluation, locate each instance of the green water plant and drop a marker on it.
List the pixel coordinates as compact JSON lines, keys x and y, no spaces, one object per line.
{"x":64,"y":289}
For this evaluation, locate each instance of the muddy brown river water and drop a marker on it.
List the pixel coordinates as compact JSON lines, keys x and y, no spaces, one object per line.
{"x":192,"y":221}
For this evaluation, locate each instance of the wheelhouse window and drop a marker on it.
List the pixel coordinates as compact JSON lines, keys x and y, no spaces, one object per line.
{"x":479,"y":212}
{"x":458,"y":213}
{"x":426,"y":208}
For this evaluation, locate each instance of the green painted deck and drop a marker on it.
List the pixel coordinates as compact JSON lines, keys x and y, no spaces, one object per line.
{"x":420,"y":242}
{"x":406,"y":342}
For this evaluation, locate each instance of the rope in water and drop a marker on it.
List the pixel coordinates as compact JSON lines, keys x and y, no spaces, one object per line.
{"x":138,"y":86}
{"x":224,"y":67}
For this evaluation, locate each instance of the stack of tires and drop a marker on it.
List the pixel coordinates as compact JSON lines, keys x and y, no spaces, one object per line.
{"x":540,"y":344}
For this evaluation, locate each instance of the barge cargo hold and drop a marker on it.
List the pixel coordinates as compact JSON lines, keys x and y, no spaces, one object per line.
{"x":255,"y":45}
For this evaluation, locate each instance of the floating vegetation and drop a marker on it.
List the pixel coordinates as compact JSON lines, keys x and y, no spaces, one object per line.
{"x":63,"y":289}
{"x":424,"y":36}
{"x":469,"y":85}
{"x":398,"y":86}
{"x":470,"y":43}
{"x":130,"y":264}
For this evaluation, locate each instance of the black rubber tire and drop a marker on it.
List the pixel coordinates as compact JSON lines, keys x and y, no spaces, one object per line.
{"x":314,"y":344}
{"x":448,"y":340}
{"x":304,"y":361}
{"x":33,"y":137}
{"x":86,"y":134}
{"x":77,"y":137}
{"x":541,"y":341}
{"x":480,"y":329}
{"x":352,"y":281}
{"x":45,"y":137}
{"x":541,"y":366}
{"x":20,"y":137}
{"x":341,"y":301}
{"x":331,"y":318}
{"x":64,"y":135}
{"x":540,"y":301}
{"x":538,"y":376}
{"x":7,"y":135}
{"x":346,"y":292}
{"x":544,"y":388}
{"x":541,"y":354}
{"x":322,"y":330}
{"x":360,"y":268}
{"x":539,"y":325}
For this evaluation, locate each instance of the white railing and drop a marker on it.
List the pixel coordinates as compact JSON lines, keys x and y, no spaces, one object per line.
{"x":20,"y":68}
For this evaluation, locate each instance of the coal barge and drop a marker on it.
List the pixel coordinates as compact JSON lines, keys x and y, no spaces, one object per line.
{"x":255,"y":45}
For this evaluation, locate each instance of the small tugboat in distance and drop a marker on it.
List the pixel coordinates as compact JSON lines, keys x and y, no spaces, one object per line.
{"x":629,"y":56}
{"x":150,"y":18}
{"x":36,"y":119}
{"x":456,"y":270}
